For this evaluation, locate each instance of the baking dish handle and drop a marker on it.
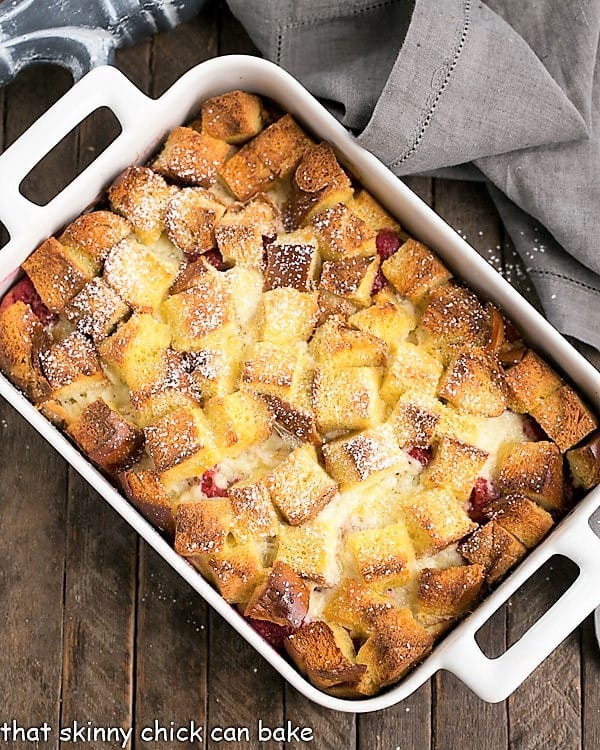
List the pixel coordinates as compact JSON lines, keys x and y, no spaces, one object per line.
{"x":103,"y":87}
{"x":495,"y":679}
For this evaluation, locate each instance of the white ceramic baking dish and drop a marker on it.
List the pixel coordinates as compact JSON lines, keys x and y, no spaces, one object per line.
{"x":145,"y":122}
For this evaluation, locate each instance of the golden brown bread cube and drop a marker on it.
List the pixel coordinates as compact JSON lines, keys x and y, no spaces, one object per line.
{"x":434,"y":519}
{"x":536,"y":470}
{"x":530,"y":381}
{"x":449,"y":593}
{"x":96,"y":233}
{"x":254,"y":513}
{"x":69,"y":360}
{"x":240,"y":231}
{"x":384,"y":557}
{"x":216,"y":372}
{"x":455,"y":465}
{"x":274,"y":369}
{"x":283,"y":598}
{"x":346,"y":398}
{"x":234,"y":117}
{"x":135,"y":350}
{"x":96,"y":310}
{"x":474,"y":383}
{"x":141,"y":196}
{"x":272,"y":154}
{"x":311,"y":551}
{"x":239,"y":420}
{"x":522,"y":517}
{"x":145,"y":491}
{"x":342,"y":234}
{"x":362,"y":455}
{"x":181,"y":444}
{"x":319,"y":183}
{"x":413,"y":425}
{"x":299,"y":487}
{"x":332,"y":306}
{"x":286,"y":315}
{"x":414,"y":270}
{"x":335,"y":342}
{"x":22,"y":338}
{"x":325,"y":654}
{"x":191,"y":158}
{"x":296,"y":417}
{"x":202,"y":526}
{"x":292,"y":260}
{"x":410,"y":368}
{"x":585,"y":463}
{"x":564,"y":418}
{"x":58,"y":273}
{"x":388,"y":321}
{"x":357,"y":607}
{"x":190,"y":219}
{"x":364,"y":205}
{"x":105,"y":437}
{"x":236,"y":570}
{"x":351,"y":278}
{"x":493,"y":547}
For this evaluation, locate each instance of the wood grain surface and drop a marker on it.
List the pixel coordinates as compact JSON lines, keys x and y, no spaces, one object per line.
{"x":95,"y":628}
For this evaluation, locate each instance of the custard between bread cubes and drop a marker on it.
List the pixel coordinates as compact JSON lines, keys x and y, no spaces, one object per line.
{"x":350,"y":445}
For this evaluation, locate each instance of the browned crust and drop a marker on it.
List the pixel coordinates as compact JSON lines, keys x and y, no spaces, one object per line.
{"x":534,"y":469}
{"x":294,"y":265}
{"x":70,"y":359}
{"x":455,"y":465}
{"x":202,"y":527}
{"x":283,"y":598}
{"x":191,"y":158}
{"x":448,"y":593}
{"x":524,"y":518}
{"x":141,"y":196}
{"x":474,"y":383}
{"x":146,"y":492}
{"x":414,"y":270}
{"x":190,"y":220}
{"x":530,"y":381}
{"x":351,"y":278}
{"x":413,"y":425}
{"x":564,"y":417}
{"x":455,"y":319}
{"x":493,"y":547}
{"x":22,"y":338}
{"x":585,"y":463}
{"x":233,"y":117}
{"x":96,"y":233}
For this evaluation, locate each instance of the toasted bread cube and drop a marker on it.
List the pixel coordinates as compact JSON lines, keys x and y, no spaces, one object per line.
{"x":384,"y":557}
{"x":286,"y":315}
{"x":334,"y":342}
{"x":299,"y":487}
{"x":141,"y":275}
{"x":455,"y":319}
{"x":145,"y":491}
{"x":414,"y":270}
{"x":389,"y":322}
{"x":296,"y":417}
{"x":292,"y":260}
{"x":198,"y":315}
{"x":22,"y":337}
{"x":96,"y":233}
{"x":332,"y":306}
{"x":141,"y":196}
{"x":411,"y":368}
{"x":536,"y":470}
{"x":530,"y":381}
{"x":274,"y":369}
{"x":434,"y":519}
{"x":191,"y":158}
{"x":181,"y":444}
{"x":474,"y":383}
{"x":357,"y":607}
{"x":58,"y":273}
{"x":236,"y":570}
{"x":391,"y":650}
{"x":216,"y":372}
{"x":449,"y":593}
{"x":190,"y":219}
{"x":105,"y":437}
{"x":239,"y":420}
{"x":319,"y":183}
{"x":241,"y":231}
{"x":342,"y":234}
{"x":413,"y":425}
{"x":254,"y":513}
{"x":346,"y":398}
{"x":360,"y":456}
{"x":364,"y":205}
{"x":456,"y":466}
{"x":234,"y":117}
{"x":69,"y":360}
{"x":565,"y":418}
{"x":283,"y":598}
{"x":524,"y":518}
{"x":584,"y":463}
{"x":325,"y":654}
{"x":311,"y":551}
{"x":351,"y":278}
{"x":135,"y":350}
{"x":202,"y":526}
{"x":96,"y":310}
{"x":272,"y":154}
{"x":493,"y":547}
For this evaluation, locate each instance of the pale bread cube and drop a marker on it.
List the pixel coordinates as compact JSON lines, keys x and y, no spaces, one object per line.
{"x":434,"y":519}
{"x":311,"y":551}
{"x":334,"y":342}
{"x":141,"y":196}
{"x":236,"y":570}
{"x":274,"y":369}
{"x":254,"y":512}
{"x":414,"y":425}
{"x":411,"y":368}
{"x":286,"y":315}
{"x":384,"y":557}
{"x":389,"y":322}
{"x":364,"y":205}
{"x":239,"y":420}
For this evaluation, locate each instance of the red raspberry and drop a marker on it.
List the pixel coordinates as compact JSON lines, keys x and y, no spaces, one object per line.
{"x":482,"y":494}
{"x":215,"y":258}
{"x":422,"y":455}
{"x":24,"y":291}
{"x":386,"y":242}
{"x":532,"y":430}
{"x":273,"y":634}
{"x":378,"y":282}
{"x":209,"y":486}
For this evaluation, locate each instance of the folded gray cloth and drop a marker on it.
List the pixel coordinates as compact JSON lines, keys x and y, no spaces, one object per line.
{"x":505,"y":87}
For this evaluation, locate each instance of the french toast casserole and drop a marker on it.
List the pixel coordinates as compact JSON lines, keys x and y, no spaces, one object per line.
{"x":348,"y":443}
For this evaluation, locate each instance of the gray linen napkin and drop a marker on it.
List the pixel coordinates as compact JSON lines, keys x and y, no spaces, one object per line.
{"x":508,"y":89}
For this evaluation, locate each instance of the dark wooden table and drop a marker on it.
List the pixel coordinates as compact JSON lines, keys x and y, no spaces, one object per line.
{"x":95,"y":627}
